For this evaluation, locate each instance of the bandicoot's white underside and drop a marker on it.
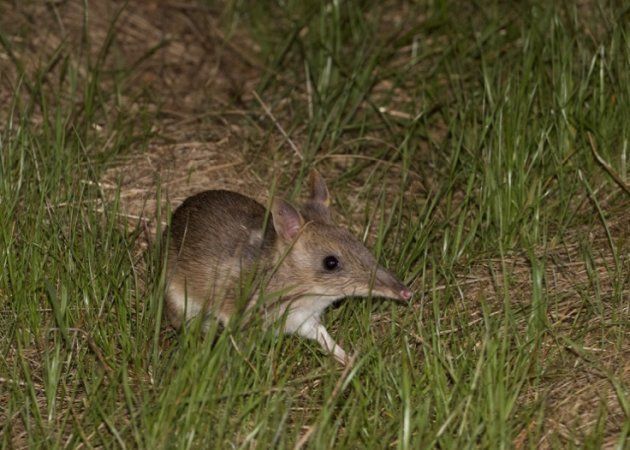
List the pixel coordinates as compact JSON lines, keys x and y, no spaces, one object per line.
{"x":302,"y":318}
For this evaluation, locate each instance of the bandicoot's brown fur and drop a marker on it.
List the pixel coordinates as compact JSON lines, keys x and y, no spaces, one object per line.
{"x":226,"y":254}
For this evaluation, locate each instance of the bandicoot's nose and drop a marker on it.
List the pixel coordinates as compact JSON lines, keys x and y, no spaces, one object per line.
{"x":389,"y":286}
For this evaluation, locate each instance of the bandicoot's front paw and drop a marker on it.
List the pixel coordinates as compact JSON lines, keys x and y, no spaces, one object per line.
{"x":342,"y":357}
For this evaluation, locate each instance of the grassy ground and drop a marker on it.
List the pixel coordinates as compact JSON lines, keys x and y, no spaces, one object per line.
{"x":480,"y":149}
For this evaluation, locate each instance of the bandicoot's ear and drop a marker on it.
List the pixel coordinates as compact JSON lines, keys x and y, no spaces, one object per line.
{"x":316,"y":207}
{"x":287,"y":221}
{"x":319,"y":191}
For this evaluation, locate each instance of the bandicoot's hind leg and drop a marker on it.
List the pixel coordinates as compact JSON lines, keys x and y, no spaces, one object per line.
{"x":180,"y":308}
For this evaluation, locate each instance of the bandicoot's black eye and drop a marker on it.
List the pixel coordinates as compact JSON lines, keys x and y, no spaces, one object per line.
{"x":331,"y":263}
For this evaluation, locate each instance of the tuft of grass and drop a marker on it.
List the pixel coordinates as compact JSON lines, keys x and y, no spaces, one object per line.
{"x":479,"y":150}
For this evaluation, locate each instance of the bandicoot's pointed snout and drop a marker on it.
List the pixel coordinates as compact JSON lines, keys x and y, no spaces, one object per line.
{"x":388,"y":285}
{"x":405,"y":294}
